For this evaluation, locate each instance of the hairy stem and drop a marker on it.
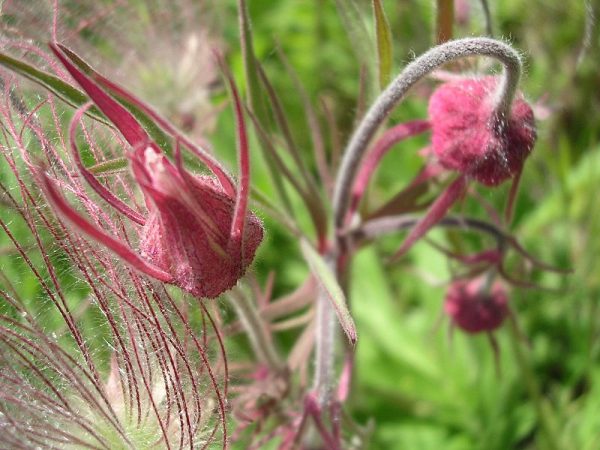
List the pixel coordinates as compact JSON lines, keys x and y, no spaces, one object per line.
{"x":256,"y":330}
{"x":397,"y":89}
{"x":324,"y":348}
{"x":386,"y":225}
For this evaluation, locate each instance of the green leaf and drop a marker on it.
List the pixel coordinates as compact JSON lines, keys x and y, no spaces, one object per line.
{"x":353,"y":20}
{"x":256,"y":101}
{"x":112,"y":165}
{"x":63,"y":90}
{"x":257,"y":105}
{"x":331,"y":287}
{"x":384,"y":44}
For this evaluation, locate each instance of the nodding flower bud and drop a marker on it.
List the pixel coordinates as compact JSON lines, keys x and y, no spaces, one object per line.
{"x":474,"y":306}
{"x":471,"y":137}
{"x":187,"y":233}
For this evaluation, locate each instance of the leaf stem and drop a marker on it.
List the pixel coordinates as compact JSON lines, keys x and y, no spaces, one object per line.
{"x":547,"y":423}
{"x":257,"y":332}
{"x":324,"y":348}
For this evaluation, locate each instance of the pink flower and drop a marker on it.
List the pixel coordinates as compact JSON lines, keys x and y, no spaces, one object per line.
{"x":475,"y":307}
{"x":199,"y":234}
{"x":469,"y":138}
{"x":187,"y":232}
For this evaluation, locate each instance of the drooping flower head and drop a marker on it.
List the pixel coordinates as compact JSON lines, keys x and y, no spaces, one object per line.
{"x":468,"y":136}
{"x":475,"y":307}
{"x":199,"y":234}
{"x":481,"y":128}
{"x":474,"y":134}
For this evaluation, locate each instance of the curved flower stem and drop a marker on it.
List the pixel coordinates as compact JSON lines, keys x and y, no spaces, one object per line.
{"x":396,"y":90}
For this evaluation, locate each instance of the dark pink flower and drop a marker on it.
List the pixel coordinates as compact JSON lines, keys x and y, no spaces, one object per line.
{"x":475,"y":307}
{"x":467,"y":135}
{"x":199,"y":234}
{"x":470,"y":136}
{"x":187,"y":233}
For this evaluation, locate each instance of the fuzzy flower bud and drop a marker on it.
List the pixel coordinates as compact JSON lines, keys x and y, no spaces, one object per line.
{"x":469,"y":136}
{"x":475,"y":307}
{"x":199,"y":233}
{"x":187,"y":233}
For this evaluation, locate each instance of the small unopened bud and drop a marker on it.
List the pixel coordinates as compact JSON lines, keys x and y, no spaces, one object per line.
{"x":474,"y":306}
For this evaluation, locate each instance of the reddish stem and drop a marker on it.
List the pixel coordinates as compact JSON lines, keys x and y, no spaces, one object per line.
{"x":108,"y":196}
{"x":241,"y":206}
{"x":436,"y":213}
{"x":390,"y":138}
{"x":124,"y":252}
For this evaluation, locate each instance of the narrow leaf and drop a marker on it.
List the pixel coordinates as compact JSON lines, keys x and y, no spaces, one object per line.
{"x":436,"y":212}
{"x":109,"y":166}
{"x":262,"y":201}
{"x":385,"y":53}
{"x":313,"y":124}
{"x":406,"y":201}
{"x":67,"y":93}
{"x":256,"y":104}
{"x":310,"y":198}
{"x":250,"y":63}
{"x":331,"y":287}
{"x":353,"y":19}
{"x":281,"y":119}
{"x":409,"y":199}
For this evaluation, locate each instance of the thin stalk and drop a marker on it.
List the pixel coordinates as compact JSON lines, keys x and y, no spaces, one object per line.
{"x":445,"y":20}
{"x":547,"y":423}
{"x":387,"y":225}
{"x":324,"y":348}
{"x":257,"y":331}
{"x":485,"y":7}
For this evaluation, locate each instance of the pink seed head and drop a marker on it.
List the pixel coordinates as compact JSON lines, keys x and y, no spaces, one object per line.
{"x":469,"y":137}
{"x":475,"y":308}
{"x":187,"y":233}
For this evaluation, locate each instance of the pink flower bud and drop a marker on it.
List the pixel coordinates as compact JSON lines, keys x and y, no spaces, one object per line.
{"x":199,"y":233}
{"x":469,"y":137}
{"x":474,"y":307}
{"x":187,"y":233}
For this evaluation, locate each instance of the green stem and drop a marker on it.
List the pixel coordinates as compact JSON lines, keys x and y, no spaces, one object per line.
{"x":547,"y":423}
{"x":257,"y":332}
